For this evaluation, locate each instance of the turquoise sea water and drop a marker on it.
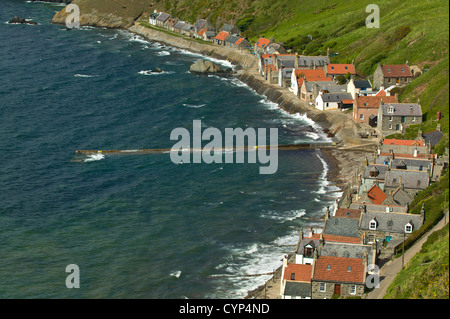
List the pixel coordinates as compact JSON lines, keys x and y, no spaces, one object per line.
{"x":138,"y":226}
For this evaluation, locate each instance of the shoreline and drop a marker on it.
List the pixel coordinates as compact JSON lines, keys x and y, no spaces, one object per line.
{"x":245,"y":70}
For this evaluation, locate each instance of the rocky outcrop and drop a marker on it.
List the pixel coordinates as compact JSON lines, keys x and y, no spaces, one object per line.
{"x":17,"y":20}
{"x":103,"y":14}
{"x":205,"y":67}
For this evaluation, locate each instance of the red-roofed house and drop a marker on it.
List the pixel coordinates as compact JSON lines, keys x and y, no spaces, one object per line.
{"x":376,"y":195}
{"x":394,"y":141}
{"x":221,"y":37}
{"x":261,"y":45}
{"x":394,"y":74}
{"x":365,"y":108}
{"x":341,"y":276}
{"x":295,"y":281}
{"x":334,"y":70}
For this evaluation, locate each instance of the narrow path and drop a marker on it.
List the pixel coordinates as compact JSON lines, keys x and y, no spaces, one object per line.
{"x":390,"y":270}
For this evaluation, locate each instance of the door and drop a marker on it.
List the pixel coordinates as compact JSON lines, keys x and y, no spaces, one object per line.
{"x":337,"y":289}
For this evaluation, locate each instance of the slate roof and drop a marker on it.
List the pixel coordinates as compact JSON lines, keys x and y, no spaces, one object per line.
{"x":308,"y":61}
{"x":341,"y":227}
{"x":179,"y":25}
{"x":294,"y":288}
{"x":336,"y":97}
{"x":187,"y":27}
{"x":402,"y":109}
{"x":381,"y":168}
{"x":314,"y":242}
{"x":401,"y":197}
{"x":227,"y":27}
{"x":163,"y":17}
{"x":210,"y":34}
{"x":362,"y":84}
{"x":433,"y":137}
{"x":329,"y":86}
{"x":336,"y":269}
{"x":391,"y":222}
{"x":199,"y":24}
{"x":409,"y":179}
{"x":396,"y":71}
{"x":232,"y":39}
{"x":346,"y":250}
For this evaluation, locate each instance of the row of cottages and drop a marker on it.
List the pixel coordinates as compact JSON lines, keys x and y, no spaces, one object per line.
{"x":399,"y":170}
{"x":337,"y":261}
{"x":229,"y":35}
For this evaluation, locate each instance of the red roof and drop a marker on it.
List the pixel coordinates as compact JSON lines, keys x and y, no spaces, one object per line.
{"x":262,"y":42}
{"x":374,"y":101}
{"x":340,"y":69}
{"x":222,"y":35}
{"x":341,"y":239}
{"x":381,"y":93}
{"x":300,"y":82}
{"x":310,"y":73}
{"x":339,"y":269}
{"x":239,"y":41}
{"x":348,"y":213}
{"x":394,"y":141}
{"x":396,"y":71}
{"x":347,"y":101}
{"x":301,"y":272}
{"x":397,"y":155}
{"x":266,"y":56}
{"x":201,"y":32}
{"x":376,"y":195}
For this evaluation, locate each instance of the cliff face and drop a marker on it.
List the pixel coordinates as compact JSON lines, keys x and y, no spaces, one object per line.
{"x":106,"y":13}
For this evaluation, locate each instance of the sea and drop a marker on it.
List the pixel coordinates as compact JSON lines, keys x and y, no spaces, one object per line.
{"x":137,"y":225}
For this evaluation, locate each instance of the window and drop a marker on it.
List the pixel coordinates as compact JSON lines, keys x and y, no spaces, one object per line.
{"x":293,"y":276}
{"x":322,"y":287}
{"x":349,"y":269}
{"x":353,"y":289}
{"x":408,"y":228}
{"x":390,"y":126}
{"x":373,"y":224}
{"x":414,"y":119}
{"x":391,"y":118}
{"x":361,"y":116}
{"x":328,"y":267}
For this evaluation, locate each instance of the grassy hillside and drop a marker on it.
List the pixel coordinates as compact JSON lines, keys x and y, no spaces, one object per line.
{"x":426,"y":275}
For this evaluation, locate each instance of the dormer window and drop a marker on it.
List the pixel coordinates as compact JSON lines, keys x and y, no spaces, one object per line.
{"x":373,"y":224}
{"x":408,"y":228}
{"x":391,"y":109}
{"x":349,"y":269}
{"x":293,"y":276}
{"x":389,"y":70}
{"x":328,"y":267}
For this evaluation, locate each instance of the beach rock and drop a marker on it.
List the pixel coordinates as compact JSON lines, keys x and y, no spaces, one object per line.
{"x":22,"y":21}
{"x":202,"y":66}
{"x":157,"y":70}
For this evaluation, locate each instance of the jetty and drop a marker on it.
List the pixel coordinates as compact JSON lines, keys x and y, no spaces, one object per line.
{"x":285,"y":147}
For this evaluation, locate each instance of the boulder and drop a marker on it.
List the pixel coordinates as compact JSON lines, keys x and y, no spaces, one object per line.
{"x":22,"y":21}
{"x":202,"y":66}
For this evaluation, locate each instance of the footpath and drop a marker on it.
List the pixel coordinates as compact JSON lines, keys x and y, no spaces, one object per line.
{"x":390,"y":270}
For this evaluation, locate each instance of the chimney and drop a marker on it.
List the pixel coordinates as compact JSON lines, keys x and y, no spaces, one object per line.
{"x":407,"y":62}
{"x":311,"y":232}
{"x":415,"y":152}
{"x":438,"y":127}
{"x":296,"y":61}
